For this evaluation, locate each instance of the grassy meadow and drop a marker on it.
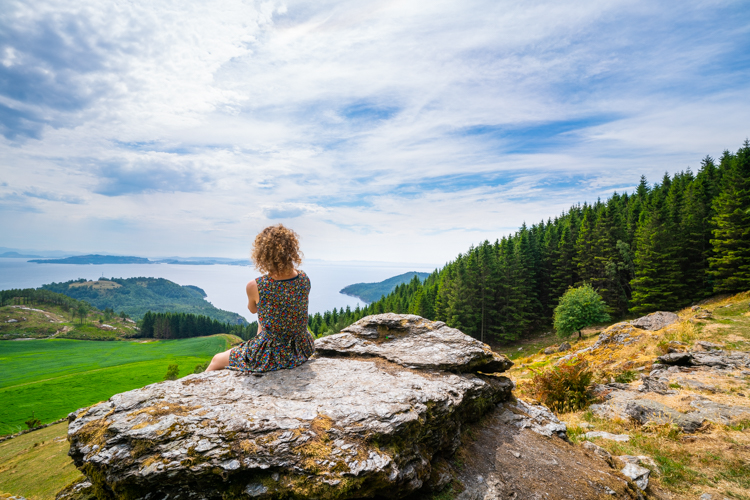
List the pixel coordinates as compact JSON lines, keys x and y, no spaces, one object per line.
{"x":50,"y":378}
{"x":37,"y":465}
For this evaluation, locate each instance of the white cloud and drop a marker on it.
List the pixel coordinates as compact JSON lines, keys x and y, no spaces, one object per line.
{"x":426,"y":125}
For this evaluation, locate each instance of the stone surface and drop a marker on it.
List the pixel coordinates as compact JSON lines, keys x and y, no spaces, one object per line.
{"x":629,"y":406}
{"x":551,"y":350}
{"x":563,"y":347}
{"x":656,"y":321}
{"x":598,"y":451}
{"x":704,"y":345}
{"x":638,"y":474}
{"x":676,"y":358}
{"x":537,"y":418}
{"x":720,"y":413}
{"x":413,"y":342}
{"x":335,"y":427}
{"x":652,"y":384}
{"x":622,"y":438}
{"x":503,"y":461}
{"x":622,"y":333}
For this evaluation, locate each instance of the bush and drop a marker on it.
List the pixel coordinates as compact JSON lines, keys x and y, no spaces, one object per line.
{"x":202,"y":367}
{"x":626,"y":377}
{"x":33,"y":421}
{"x":563,"y":388}
{"x":577,"y":309}
{"x":173,"y":371}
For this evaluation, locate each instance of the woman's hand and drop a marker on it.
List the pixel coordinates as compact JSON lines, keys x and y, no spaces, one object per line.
{"x":252,"y":296}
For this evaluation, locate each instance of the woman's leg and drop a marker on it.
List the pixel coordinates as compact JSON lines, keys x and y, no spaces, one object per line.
{"x":219,"y":361}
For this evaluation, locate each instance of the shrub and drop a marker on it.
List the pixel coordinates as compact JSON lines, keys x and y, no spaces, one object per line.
{"x":563,"y":388}
{"x":626,"y":377}
{"x":577,"y":309}
{"x":173,"y":371}
{"x":201,"y":368}
{"x":33,"y":421}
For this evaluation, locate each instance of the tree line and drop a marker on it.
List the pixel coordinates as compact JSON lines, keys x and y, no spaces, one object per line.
{"x":33,"y":296}
{"x":662,"y":247}
{"x":167,"y":325}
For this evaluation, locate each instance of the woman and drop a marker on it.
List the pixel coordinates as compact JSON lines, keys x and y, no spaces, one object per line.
{"x":280,"y":298}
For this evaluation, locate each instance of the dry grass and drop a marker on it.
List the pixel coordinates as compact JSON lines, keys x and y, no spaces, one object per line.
{"x":715,"y":460}
{"x":26,"y":462}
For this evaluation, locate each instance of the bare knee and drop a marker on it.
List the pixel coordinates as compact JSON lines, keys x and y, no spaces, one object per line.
{"x":219,"y":361}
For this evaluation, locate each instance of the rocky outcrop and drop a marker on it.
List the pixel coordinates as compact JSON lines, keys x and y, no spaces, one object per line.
{"x":369,"y":415}
{"x":413,"y":342}
{"x":656,"y":321}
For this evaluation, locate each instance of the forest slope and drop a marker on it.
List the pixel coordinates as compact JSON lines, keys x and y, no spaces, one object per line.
{"x":136,"y":296}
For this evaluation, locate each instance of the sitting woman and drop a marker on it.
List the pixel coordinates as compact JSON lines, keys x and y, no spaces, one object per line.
{"x":280,"y":298}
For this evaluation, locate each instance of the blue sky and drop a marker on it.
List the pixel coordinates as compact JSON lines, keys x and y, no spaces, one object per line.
{"x":378,"y":130}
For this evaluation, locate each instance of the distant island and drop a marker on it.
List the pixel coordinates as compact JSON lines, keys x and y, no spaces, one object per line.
{"x":97,"y":259}
{"x":16,"y":255}
{"x":135,"y":296}
{"x":370,"y":292}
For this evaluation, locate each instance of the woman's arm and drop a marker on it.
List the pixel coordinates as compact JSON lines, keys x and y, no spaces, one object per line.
{"x":252,"y":296}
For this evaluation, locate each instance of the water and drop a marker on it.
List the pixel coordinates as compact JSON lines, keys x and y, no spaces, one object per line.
{"x":224,"y":285}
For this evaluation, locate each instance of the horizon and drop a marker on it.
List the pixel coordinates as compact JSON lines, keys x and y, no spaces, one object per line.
{"x":378,"y":131}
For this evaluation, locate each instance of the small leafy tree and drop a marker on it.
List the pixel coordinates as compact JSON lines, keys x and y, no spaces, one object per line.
{"x":173,"y":371}
{"x":577,"y":309}
{"x":201,"y":367}
{"x":82,"y":311}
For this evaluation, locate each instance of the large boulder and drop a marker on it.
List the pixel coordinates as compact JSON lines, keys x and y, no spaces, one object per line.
{"x":656,"y":321}
{"x":366,"y":416}
{"x":413,"y":342}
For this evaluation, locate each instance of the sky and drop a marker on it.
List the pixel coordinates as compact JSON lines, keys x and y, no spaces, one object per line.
{"x":396,"y":131}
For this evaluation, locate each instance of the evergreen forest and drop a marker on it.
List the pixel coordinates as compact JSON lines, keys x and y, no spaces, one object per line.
{"x":661,"y":247}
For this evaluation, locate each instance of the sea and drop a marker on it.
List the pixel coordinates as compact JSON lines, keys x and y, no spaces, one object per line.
{"x":224,"y":284}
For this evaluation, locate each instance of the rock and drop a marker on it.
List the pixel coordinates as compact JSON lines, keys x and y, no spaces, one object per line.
{"x":676,"y":358}
{"x":638,"y":474}
{"x":563,"y":347}
{"x":695,"y":308}
{"x":651,"y":384}
{"x":703,"y":345}
{"x":598,"y":451}
{"x":537,"y":418}
{"x":550,"y":350}
{"x":585,"y":425}
{"x":413,"y":342}
{"x":80,"y":490}
{"x":704,"y":314}
{"x":622,"y":438}
{"x":656,"y":321}
{"x":718,"y":412}
{"x":622,"y":333}
{"x":706,"y":496}
{"x":516,"y":463}
{"x":335,"y":427}
{"x":627,"y":406}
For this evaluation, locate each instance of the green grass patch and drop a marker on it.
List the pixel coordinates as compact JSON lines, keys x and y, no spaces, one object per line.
{"x":36,"y":465}
{"x":51,"y":378}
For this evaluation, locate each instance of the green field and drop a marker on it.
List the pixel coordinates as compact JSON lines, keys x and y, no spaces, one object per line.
{"x":53,"y":377}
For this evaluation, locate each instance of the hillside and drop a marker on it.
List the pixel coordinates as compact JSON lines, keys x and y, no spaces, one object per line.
{"x":370,"y":292}
{"x":135,"y":296}
{"x":688,"y":423}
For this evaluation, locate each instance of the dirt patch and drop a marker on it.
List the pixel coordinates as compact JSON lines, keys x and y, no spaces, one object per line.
{"x":501,"y":461}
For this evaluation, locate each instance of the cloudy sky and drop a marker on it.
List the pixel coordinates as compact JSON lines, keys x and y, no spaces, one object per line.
{"x":378,"y":130}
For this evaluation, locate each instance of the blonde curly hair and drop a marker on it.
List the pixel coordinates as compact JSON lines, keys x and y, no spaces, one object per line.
{"x":276,"y":250}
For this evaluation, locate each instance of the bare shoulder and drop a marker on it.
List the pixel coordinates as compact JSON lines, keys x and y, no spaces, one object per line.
{"x":252,"y":287}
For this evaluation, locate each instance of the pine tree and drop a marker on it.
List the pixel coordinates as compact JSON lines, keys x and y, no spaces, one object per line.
{"x":730,"y":265}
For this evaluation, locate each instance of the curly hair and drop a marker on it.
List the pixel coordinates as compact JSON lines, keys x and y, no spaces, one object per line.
{"x":276,"y":250}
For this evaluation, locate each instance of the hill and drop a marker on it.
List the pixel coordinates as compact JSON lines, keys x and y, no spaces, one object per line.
{"x":370,"y":292}
{"x":135,"y":296}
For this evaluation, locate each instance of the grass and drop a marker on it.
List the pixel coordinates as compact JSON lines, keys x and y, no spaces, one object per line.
{"x":54,"y":377}
{"x":26,"y":463}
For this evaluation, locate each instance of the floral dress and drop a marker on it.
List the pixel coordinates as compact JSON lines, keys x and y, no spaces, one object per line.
{"x":282,"y":340}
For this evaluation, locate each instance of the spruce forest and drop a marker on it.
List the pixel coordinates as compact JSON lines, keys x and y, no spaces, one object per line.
{"x":662,"y":247}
